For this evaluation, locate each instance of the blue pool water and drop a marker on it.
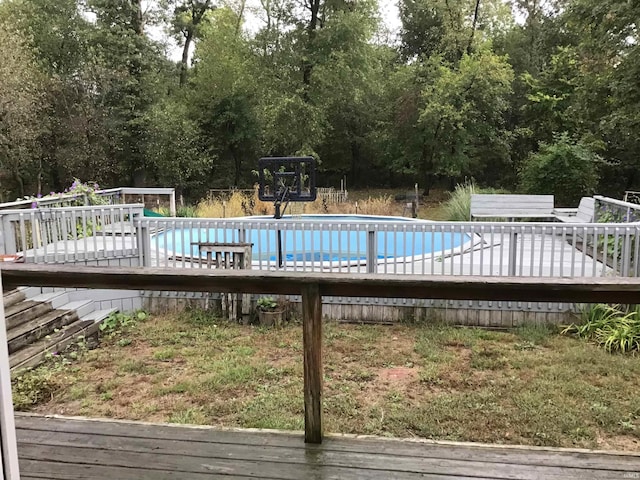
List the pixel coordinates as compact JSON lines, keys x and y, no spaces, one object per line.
{"x":311,"y":241}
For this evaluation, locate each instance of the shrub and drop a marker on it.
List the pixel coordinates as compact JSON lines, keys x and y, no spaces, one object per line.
{"x":118,"y":322}
{"x":566,"y":169}
{"x":613,"y":327}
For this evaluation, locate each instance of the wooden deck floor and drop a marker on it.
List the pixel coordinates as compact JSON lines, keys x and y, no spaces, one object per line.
{"x":56,"y":448}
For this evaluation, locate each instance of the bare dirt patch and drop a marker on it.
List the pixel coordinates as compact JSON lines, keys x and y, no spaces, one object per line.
{"x":397,"y":376}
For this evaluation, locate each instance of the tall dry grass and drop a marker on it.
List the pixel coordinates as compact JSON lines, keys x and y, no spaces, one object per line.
{"x":240,"y":204}
{"x":383,"y":205}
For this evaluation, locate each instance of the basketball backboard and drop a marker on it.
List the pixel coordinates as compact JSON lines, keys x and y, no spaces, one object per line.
{"x":287,"y":179}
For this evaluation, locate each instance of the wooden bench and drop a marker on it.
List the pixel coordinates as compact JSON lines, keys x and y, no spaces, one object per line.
{"x":230,"y":256}
{"x":511,"y":206}
{"x":583,"y":214}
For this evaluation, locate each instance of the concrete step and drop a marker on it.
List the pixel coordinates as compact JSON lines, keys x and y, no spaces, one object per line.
{"x":97,"y":316}
{"x":82,"y":307}
{"x":38,"y":328}
{"x":55,"y":299}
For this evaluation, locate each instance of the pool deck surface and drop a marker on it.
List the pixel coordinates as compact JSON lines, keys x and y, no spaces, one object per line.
{"x":74,"y":449}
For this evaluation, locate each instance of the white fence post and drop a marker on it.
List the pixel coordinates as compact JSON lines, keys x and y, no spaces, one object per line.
{"x":9,"y":465}
{"x":372,"y":252}
{"x":513,"y":253}
{"x":8,"y":236}
{"x":172,"y":204}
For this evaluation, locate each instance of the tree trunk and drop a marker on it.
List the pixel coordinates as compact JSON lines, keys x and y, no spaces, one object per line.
{"x":314,"y":6}
{"x":185,"y":57}
{"x":240,"y":15}
{"x":473,"y":26}
{"x":427,"y":170}
{"x":40,"y":172}
{"x":19,"y":181}
{"x":139,"y":178}
{"x":426,"y":159}
{"x":137,"y":21}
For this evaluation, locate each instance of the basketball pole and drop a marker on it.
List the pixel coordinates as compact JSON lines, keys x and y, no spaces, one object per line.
{"x":277,"y":216}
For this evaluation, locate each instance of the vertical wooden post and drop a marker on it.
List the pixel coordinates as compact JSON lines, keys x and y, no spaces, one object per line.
{"x":8,"y":443}
{"x":313,"y":371}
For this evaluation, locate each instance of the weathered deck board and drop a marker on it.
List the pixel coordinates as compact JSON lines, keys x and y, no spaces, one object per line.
{"x":56,"y":448}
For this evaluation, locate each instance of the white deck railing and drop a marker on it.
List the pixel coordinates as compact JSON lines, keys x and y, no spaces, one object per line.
{"x":110,"y":196}
{"x":70,"y":234}
{"x":331,"y":195}
{"x":613,"y":210}
{"x":326,"y":243}
{"x":404,"y":247}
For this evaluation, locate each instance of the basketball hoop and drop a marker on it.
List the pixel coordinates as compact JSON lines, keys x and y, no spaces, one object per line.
{"x":283,"y":180}
{"x":286,"y":179}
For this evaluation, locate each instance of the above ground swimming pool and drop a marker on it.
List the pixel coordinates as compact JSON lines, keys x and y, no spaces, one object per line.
{"x":315,"y":238}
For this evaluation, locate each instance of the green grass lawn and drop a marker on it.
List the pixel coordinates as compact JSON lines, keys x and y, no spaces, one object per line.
{"x":526,"y":387}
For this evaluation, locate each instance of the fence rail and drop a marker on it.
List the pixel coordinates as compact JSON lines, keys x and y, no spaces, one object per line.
{"x":312,"y":286}
{"x":632,"y":197}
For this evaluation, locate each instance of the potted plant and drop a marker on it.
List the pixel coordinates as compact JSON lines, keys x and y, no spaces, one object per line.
{"x":270,"y":312}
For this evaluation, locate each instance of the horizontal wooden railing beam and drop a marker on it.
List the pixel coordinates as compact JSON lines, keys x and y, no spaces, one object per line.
{"x":533,"y":289}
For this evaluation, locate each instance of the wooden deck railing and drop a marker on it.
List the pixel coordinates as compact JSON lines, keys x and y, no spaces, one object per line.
{"x":312,"y":286}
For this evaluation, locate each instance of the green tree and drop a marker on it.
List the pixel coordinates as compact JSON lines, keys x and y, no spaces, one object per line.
{"x":57,"y":34}
{"x":186,"y":19}
{"x":130,"y":74}
{"x":460,"y":128}
{"x":607,"y":103}
{"x":224,"y":98}
{"x":21,"y":107}
{"x":566,"y":168}
{"x":174,"y":150}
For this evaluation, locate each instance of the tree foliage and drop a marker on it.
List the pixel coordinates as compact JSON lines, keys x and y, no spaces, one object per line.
{"x":483,"y":89}
{"x":21,"y":98}
{"x":564,"y":168}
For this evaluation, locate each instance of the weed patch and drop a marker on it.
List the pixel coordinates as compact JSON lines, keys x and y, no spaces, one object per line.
{"x":613,"y":327}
